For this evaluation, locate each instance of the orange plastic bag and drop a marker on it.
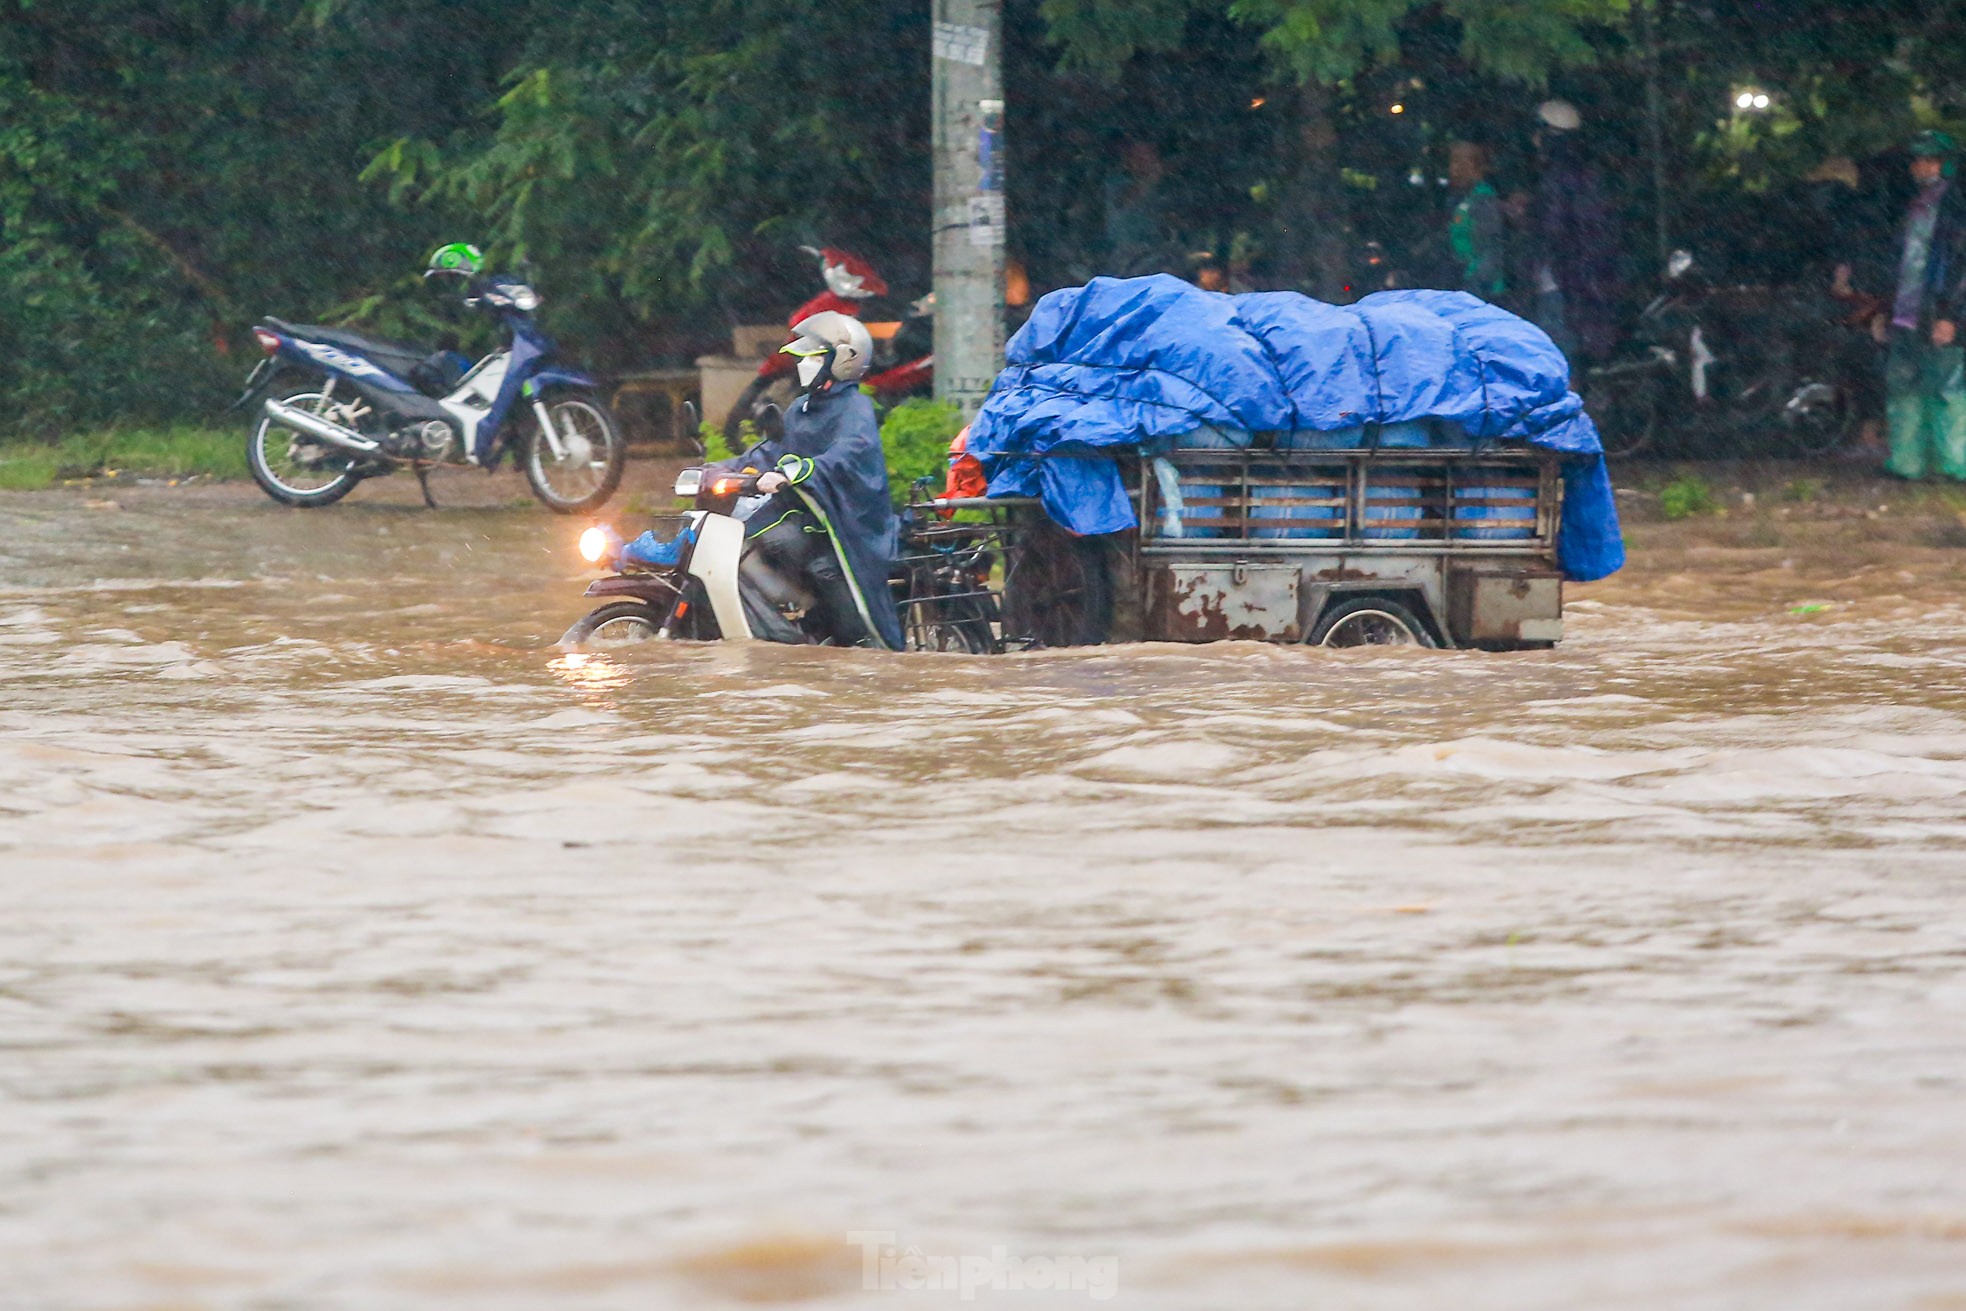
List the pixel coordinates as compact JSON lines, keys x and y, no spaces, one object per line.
{"x":966,"y":477}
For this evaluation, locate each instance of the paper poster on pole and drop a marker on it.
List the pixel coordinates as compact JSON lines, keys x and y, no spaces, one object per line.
{"x":961,"y":44}
{"x":986,"y":219}
{"x":989,"y":145}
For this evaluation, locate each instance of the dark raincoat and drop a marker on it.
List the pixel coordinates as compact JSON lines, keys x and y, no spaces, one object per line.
{"x":1576,"y":235}
{"x":831,"y":451}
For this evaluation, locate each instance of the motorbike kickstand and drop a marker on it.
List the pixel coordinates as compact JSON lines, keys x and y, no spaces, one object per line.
{"x":423,"y":481}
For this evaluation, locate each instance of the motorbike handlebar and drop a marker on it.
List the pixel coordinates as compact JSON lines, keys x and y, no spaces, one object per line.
{"x":732,"y":484}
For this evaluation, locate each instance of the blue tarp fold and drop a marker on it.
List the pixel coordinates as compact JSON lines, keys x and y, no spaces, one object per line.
{"x":1140,"y":362}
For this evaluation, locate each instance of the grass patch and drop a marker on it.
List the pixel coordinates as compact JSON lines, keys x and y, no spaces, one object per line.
{"x":26,"y":468}
{"x":1801,"y":491}
{"x":1687,"y":496}
{"x":180,"y":452}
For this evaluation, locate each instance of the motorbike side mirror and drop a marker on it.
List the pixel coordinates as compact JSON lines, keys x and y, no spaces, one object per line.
{"x":1679,"y":265}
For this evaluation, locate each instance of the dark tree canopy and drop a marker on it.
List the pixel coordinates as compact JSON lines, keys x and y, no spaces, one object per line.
{"x":171,"y":168}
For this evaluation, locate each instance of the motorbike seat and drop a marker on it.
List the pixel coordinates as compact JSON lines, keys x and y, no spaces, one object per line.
{"x":394,"y":356}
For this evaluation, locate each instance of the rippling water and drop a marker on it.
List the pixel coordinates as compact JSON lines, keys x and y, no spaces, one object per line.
{"x":363,"y":950}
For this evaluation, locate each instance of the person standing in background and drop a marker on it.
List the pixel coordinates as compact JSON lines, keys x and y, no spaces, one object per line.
{"x":1839,"y":242}
{"x":1925,"y":370}
{"x":1575,"y":254}
{"x":1477,"y":234}
{"x":1138,"y":236}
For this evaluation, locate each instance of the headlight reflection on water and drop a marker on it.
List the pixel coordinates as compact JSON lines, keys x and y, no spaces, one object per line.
{"x":590,"y":672}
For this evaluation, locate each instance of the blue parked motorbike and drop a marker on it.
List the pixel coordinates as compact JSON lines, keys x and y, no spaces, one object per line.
{"x":338,"y":407}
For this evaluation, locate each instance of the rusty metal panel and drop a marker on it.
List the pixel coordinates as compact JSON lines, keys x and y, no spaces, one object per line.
{"x":1505,"y":607}
{"x":1223,"y":602}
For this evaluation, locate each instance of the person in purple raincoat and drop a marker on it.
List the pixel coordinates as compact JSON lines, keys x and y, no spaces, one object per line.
{"x":1575,"y":266}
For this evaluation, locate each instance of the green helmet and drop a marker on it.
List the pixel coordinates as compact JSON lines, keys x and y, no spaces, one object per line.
{"x":459,"y":257}
{"x":1933,"y":144}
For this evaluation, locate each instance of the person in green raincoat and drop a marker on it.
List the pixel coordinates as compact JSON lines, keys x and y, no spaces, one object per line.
{"x":1925,"y":370}
{"x":1478,"y":231}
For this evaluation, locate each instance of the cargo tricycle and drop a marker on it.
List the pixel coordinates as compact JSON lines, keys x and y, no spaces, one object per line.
{"x":1160,"y":463}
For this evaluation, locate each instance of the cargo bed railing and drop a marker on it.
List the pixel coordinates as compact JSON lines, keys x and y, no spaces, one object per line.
{"x":1477,"y":502}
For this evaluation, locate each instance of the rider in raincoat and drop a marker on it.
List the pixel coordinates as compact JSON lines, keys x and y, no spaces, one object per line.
{"x":830,"y":521}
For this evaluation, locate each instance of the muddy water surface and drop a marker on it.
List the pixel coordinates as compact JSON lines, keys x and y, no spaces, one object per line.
{"x":360,"y":949}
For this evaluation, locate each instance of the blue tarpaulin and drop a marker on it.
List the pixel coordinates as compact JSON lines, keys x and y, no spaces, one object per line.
{"x":1136,"y":363}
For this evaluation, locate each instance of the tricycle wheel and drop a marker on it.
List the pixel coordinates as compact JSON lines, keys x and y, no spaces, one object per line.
{"x":962,"y":627}
{"x":1370,"y":621}
{"x":1059,"y":591}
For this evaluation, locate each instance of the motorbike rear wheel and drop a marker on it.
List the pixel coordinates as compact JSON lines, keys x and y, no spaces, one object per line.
{"x":592,"y":454}
{"x":616,"y":624}
{"x":293,"y":468}
{"x":1627,"y":411}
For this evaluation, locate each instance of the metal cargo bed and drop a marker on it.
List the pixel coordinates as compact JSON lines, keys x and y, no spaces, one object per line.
{"x":1262,"y":545}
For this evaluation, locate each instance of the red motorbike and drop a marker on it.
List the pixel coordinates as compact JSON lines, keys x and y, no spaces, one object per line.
{"x":904,"y":350}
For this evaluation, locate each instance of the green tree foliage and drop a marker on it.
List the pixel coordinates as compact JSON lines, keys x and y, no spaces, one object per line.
{"x":915,"y":435}
{"x":1323,"y":44}
{"x":170,"y":168}
{"x":1846,"y":80}
{"x":1521,"y":40}
{"x":656,"y":157}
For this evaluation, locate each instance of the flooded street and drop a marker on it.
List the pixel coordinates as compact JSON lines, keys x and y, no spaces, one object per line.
{"x":362,"y":949}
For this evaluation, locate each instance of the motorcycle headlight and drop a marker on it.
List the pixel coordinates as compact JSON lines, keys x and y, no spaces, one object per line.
{"x":525,"y":299}
{"x":594,"y":545}
{"x":689,"y":482}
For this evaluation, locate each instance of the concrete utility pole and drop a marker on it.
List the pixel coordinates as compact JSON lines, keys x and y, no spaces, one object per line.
{"x":969,"y":203}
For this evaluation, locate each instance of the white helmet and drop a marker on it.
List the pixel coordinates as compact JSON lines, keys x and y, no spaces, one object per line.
{"x":1560,"y":116}
{"x":838,"y":341}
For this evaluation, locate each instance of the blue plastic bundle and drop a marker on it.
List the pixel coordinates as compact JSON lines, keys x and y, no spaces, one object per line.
{"x":1141,"y":363}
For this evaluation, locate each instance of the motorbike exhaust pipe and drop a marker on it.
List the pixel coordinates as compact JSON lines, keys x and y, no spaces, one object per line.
{"x":315,"y":426}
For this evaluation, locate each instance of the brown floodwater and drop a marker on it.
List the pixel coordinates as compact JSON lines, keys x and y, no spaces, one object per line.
{"x":363,"y":950}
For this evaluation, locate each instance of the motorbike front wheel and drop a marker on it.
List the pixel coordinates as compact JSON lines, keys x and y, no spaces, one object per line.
{"x":587,"y":467}
{"x":1817,"y":420}
{"x":616,"y":624}
{"x":962,"y":626}
{"x":294,"y":468}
